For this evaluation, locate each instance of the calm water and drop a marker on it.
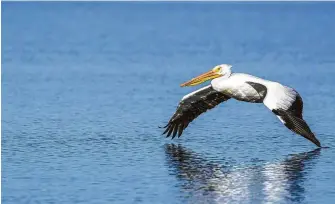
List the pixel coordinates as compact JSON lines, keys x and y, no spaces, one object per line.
{"x":86,"y":85}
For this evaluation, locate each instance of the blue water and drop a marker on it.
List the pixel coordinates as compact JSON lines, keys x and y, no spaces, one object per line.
{"x":86,"y":85}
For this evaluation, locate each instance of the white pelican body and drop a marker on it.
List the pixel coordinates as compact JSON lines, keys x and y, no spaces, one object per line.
{"x":283,"y":101}
{"x":274,"y":96}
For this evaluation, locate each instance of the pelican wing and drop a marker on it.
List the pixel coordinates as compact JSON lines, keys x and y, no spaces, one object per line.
{"x":191,"y":106}
{"x":287,"y":104}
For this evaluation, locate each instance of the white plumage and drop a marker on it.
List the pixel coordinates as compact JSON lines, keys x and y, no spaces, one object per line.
{"x":278,"y":96}
{"x":283,"y":101}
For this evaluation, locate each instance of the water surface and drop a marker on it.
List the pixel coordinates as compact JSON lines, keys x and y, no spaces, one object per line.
{"x":86,"y":85}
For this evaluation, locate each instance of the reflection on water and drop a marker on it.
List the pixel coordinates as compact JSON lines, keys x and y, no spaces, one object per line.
{"x":204,"y":181}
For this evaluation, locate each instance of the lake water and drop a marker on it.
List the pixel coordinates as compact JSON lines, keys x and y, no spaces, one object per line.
{"x":86,"y":85}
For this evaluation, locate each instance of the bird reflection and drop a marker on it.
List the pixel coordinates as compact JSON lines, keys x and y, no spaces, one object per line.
{"x":204,"y":181}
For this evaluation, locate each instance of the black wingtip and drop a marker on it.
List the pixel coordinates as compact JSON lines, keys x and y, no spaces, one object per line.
{"x":180,"y":130}
{"x":297,"y":125}
{"x":166,"y":130}
{"x":164,"y":126}
{"x":311,"y":137}
{"x":170,"y":130}
{"x":175,"y":131}
{"x":316,"y":142}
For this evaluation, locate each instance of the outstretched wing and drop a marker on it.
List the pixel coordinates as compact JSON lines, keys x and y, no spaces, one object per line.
{"x":287,"y":104}
{"x":191,"y":106}
{"x":297,"y":125}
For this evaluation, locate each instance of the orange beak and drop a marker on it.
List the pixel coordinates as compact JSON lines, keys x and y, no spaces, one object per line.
{"x":201,"y":78}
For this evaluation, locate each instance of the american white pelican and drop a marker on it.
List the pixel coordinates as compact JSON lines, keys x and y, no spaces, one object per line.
{"x":283,"y":101}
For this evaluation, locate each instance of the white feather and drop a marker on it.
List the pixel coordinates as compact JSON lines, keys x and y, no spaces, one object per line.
{"x":278,"y":96}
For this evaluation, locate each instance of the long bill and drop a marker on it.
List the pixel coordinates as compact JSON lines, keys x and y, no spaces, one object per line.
{"x":201,"y":78}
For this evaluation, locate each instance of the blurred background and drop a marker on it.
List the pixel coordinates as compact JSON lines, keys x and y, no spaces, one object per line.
{"x":86,"y":85}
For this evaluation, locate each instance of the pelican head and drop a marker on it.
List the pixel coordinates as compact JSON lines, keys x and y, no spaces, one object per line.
{"x":222,"y":70}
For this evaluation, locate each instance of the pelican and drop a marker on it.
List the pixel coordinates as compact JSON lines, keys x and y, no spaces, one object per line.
{"x":283,"y":101}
